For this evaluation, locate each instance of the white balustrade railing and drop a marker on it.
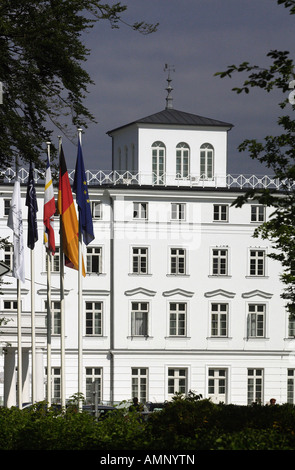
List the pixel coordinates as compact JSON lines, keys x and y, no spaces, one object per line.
{"x":127,"y":178}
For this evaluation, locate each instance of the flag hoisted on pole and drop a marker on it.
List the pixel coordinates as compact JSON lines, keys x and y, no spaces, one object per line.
{"x":85,"y":231}
{"x":49,"y":241}
{"x":82,"y":198}
{"x":69,"y":221}
{"x":15,"y":222}
{"x":49,"y":208}
{"x":31,"y":203}
{"x":62,"y":310}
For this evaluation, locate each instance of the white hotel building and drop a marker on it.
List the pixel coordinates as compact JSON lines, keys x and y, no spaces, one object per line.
{"x":178,"y":294}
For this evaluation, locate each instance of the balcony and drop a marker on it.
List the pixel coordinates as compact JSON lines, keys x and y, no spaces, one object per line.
{"x":127,"y":178}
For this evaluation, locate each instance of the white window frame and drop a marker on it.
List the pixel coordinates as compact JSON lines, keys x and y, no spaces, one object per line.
{"x":178,"y":319}
{"x":9,"y":305}
{"x":8,"y":255}
{"x":139,"y":383}
{"x":207,"y":167}
{"x":217,"y":384}
{"x":218,"y":317}
{"x":93,"y":318}
{"x":255,"y":385}
{"x":220,"y":213}
{"x":257,"y":262}
{"x":93,"y":374}
{"x":291,"y":386}
{"x":177,"y":380}
{"x":182,"y":160}
{"x":6,"y":209}
{"x":55,"y":261}
{"x":256,"y":320}
{"x":55,"y":317}
{"x":96,"y":210}
{"x":177,"y":260}
{"x":140,"y":313}
{"x":140,"y":210}
{"x":158,"y":162}
{"x":257,"y":213}
{"x":220,"y":261}
{"x":141,"y":259}
{"x":178,"y":211}
{"x":93,"y":253}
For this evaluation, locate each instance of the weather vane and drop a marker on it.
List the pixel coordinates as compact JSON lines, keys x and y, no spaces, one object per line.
{"x":169,"y":89}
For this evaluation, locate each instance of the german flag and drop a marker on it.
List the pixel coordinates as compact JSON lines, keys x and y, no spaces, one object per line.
{"x":69,"y":221}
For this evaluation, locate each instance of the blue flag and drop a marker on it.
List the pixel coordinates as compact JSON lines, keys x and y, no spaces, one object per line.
{"x":82,"y":198}
{"x":31,"y":202}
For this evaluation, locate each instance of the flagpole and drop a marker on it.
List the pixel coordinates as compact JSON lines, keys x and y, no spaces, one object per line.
{"x":62,"y":311}
{"x":49,"y":259}
{"x":19,"y":338}
{"x":19,"y":346}
{"x":80,"y":320}
{"x":33,"y":326}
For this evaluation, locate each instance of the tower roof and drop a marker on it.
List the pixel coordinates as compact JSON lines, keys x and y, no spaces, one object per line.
{"x":170,"y":116}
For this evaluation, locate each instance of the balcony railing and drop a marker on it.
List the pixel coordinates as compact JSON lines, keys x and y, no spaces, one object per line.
{"x":127,"y":178}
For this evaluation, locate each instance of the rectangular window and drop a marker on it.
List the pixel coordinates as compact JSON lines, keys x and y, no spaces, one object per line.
{"x":56,"y":385}
{"x":93,"y":317}
{"x":55,"y":261}
{"x":139,"y":384}
{"x":177,"y":319}
{"x":10,"y":305}
{"x":219,"y":262}
{"x":177,"y":260}
{"x":6,"y":207}
{"x":290,"y":386}
{"x":217,"y":385}
{"x":140,"y":210}
{"x":8,"y":256}
{"x":139,"y":318}
{"x":177,"y":211}
{"x":93,"y":384}
{"x":94,"y":260}
{"x":291,"y":326}
{"x":177,"y":381}
{"x":257,"y":213}
{"x":55,"y":317}
{"x":96,"y":210}
{"x":256,"y":318}
{"x":139,"y":260}
{"x":257,"y":262}
{"x":255,"y":386}
{"x":220,"y":213}
{"x":219,"y":319}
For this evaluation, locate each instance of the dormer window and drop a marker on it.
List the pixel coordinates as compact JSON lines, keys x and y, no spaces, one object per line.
{"x":158,"y":162}
{"x":206,"y":161}
{"x":182,"y":160}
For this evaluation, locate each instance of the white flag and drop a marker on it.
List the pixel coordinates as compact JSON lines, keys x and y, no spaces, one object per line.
{"x":15,"y":222}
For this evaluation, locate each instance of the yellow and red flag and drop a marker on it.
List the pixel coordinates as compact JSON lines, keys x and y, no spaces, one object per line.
{"x":69,"y":221}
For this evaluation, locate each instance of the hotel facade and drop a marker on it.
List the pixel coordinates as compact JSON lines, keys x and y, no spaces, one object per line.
{"x":178,"y":295}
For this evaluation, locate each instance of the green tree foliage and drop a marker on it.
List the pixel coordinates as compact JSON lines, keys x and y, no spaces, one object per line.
{"x":41,"y":68}
{"x":278,"y":154}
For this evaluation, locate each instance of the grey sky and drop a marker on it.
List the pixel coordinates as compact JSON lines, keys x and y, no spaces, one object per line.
{"x":200,"y":38}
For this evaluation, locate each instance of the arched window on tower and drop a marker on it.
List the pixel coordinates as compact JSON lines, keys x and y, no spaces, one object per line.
{"x":182,"y":160}
{"x":158,"y":162}
{"x":206,"y":161}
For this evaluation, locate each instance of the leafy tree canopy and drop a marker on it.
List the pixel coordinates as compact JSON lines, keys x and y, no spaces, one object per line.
{"x":44,"y":82}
